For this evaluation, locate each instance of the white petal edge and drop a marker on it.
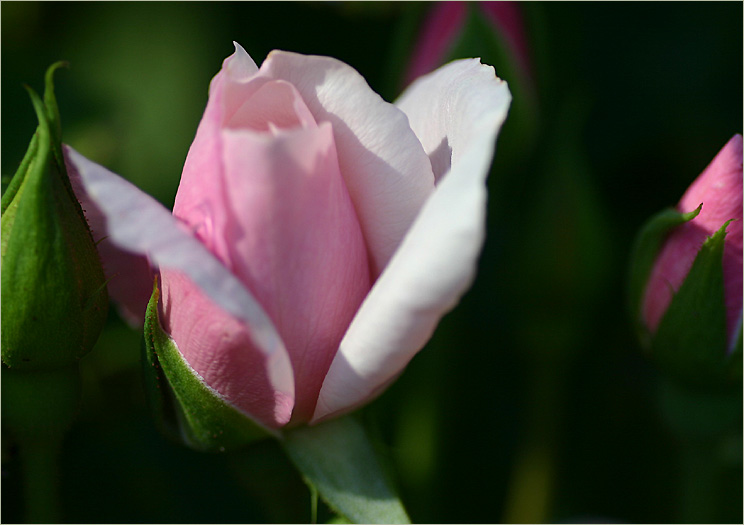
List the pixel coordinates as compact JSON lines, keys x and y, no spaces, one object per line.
{"x":386,"y":171}
{"x":240,"y":66}
{"x":447,"y":107}
{"x":437,"y":259}
{"x":138,"y":223}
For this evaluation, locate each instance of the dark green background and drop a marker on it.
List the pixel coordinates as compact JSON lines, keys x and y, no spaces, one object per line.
{"x":539,"y":360}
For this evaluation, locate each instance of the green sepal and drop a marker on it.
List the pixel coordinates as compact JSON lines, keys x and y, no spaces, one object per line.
{"x":646,"y":248}
{"x":53,"y":287}
{"x":52,"y":111}
{"x":182,"y":405}
{"x":337,"y":459}
{"x":50,"y":100}
{"x":691,"y":341}
{"x":20,"y":175}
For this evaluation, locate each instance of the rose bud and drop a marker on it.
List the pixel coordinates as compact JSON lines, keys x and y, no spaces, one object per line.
{"x":688,"y":274}
{"x":54,"y":299}
{"x":448,"y":25}
{"x":318,"y":235}
{"x":497,"y":32}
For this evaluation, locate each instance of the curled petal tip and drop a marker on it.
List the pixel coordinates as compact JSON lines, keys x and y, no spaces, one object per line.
{"x":240,"y":65}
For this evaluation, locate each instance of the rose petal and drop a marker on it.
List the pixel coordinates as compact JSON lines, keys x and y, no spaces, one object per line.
{"x":231,"y":104}
{"x":447,"y":107}
{"x":719,"y":185}
{"x":240,"y":66}
{"x":236,"y":72}
{"x":295,"y":242}
{"x":128,"y":275}
{"x":274,"y":209}
{"x":138,"y":223}
{"x":386,"y":172}
{"x":465,"y":105}
{"x":220,"y":350}
{"x":275,"y":103}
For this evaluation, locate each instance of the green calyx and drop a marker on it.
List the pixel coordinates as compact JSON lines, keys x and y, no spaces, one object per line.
{"x":54,"y":299}
{"x":645,"y":250}
{"x":691,"y":341}
{"x":184,"y":408}
{"x":337,"y":459}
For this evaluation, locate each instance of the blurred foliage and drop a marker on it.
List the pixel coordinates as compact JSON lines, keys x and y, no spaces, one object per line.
{"x":533,"y":400}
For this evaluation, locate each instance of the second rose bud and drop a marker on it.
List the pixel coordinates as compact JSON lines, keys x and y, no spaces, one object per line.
{"x":687,"y":277}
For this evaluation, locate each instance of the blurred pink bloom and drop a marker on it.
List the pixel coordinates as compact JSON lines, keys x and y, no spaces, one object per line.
{"x":319,"y":233}
{"x":445,"y":22}
{"x":719,"y":189}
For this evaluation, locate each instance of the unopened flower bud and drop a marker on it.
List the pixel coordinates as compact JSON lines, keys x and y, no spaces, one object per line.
{"x":687,"y":279}
{"x":54,"y":299}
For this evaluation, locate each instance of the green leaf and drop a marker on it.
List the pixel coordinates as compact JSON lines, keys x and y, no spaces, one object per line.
{"x":339,"y":460}
{"x":691,"y":340}
{"x":182,"y":404}
{"x":643,"y":255}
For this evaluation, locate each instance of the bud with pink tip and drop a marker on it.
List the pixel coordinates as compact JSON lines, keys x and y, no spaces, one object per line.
{"x":689,"y":300}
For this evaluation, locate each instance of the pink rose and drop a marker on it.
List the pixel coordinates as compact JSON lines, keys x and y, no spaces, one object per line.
{"x":719,"y":189}
{"x":319,"y":233}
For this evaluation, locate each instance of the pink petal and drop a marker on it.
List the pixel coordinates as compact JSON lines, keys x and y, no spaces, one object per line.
{"x":137,"y":223}
{"x":444,"y":107}
{"x":296,"y":243}
{"x":240,"y":66}
{"x":129,"y":276}
{"x":464,"y":105}
{"x":720,"y":186}
{"x":234,"y":78}
{"x":237,"y":99}
{"x":261,"y":188}
{"x":219,"y":348}
{"x":719,"y":189}
{"x":386,"y":171}
{"x":275,"y":103}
